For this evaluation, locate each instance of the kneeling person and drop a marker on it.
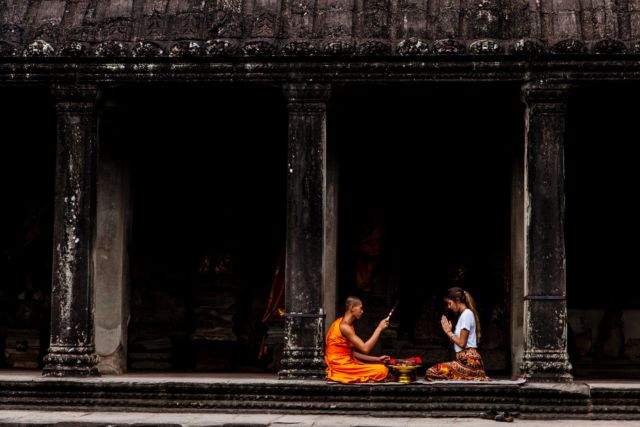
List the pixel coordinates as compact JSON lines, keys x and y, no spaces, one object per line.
{"x":346,"y":354}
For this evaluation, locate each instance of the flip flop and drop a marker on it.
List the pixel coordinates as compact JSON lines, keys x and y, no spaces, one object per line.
{"x":491,"y":414}
{"x":504,"y":417}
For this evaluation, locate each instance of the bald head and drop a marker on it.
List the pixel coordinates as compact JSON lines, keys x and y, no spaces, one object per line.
{"x":351,"y":301}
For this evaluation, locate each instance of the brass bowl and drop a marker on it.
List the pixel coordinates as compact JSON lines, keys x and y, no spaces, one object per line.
{"x":404,"y":372}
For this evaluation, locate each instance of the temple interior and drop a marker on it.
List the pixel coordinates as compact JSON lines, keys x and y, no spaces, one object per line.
{"x":424,"y":203}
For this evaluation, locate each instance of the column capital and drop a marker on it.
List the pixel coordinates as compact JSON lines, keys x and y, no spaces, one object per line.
{"x":542,"y":92}
{"x":75,"y":97}
{"x":307,"y":93}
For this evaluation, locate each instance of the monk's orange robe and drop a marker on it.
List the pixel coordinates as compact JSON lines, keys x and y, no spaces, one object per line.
{"x":342,"y":366}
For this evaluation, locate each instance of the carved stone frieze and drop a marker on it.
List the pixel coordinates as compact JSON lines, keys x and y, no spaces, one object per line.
{"x":185,"y":49}
{"x":376,"y":19}
{"x":528,"y":47}
{"x":264,"y":24}
{"x":74,"y":50}
{"x":146,"y":50}
{"x":188,"y":26}
{"x":82,"y":34}
{"x":485,"y":46}
{"x":39,"y":48}
{"x":609,"y":46}
{"x":299,"y":49}
{"x":569,"y":46}
{"x":118,"y":29}
{"x":413,"y":47}
{"x":225,"y":23}
{"x":219,"y":48}
{"x":11,"y":33}
{"x":448,"y":46}
{"x":338,"y":48}
{"x":258,"y":48}
{"x":373,"y":47}
{"x":47,"y":31}
{"x":7,"y":49}
{"x":153,"y":26}
{"x":110,"y":49}
{"x":486,"y":17}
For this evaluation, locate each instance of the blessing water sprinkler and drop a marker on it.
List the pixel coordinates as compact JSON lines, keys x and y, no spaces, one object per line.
{"x":392,"y":310}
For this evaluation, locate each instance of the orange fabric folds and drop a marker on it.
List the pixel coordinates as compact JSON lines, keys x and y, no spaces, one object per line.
{"x":342,"y":366}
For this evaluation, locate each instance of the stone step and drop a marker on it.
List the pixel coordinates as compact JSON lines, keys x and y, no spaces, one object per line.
{"x":460,"y":399}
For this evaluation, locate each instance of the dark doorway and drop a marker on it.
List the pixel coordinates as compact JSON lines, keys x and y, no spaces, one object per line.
{"x":425,"y":189}
{"x":208,"y":170}
{"x":603,"y":296}
{"x":27,"y":175}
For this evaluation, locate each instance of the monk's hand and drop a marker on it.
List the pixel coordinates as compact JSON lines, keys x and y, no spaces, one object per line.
{"x":384,"y":324}
{"x":446,"y":324}
{"x":383,"y":359}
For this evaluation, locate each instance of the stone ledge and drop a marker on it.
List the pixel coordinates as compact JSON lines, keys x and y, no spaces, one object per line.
{"x":543,"y":401}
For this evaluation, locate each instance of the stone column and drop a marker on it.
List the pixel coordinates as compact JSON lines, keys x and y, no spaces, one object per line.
{"x":72,"y":352}
{"x":306,"y":207}
{"x":111,"y":244}
{"x":545,"y":357}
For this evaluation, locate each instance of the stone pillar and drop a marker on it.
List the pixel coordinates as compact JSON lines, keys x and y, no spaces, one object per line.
{"x":306,"y":208}
{"x":110,"y":250}
{"x":72,"y":352}
{"x":517,"y":261}
{"x":545,"y":357}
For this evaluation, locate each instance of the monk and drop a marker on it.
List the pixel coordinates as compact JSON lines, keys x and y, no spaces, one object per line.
{"x":347,"y":356}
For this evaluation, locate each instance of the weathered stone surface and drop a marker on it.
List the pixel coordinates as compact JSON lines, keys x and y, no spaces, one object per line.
{"x":532,"y":401}
{"x":545,"y":357}
{"x":390,"y":22}
{"x":72,"y":352}
{"x":306,"y":204}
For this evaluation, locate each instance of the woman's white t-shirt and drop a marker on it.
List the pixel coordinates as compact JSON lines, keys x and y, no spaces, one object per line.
{"x":466,"y":321}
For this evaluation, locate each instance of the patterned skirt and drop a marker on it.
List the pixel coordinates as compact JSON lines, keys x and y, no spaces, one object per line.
{"x":467,"y":366}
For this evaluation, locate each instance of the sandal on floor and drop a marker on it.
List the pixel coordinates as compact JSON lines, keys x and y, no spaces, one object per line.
{"x":504,"y":417}
{"x":491,"y":414}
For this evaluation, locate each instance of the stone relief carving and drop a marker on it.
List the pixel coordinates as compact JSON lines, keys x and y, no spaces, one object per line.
{"x":376,"y":18}
{"x":115,"y":29}
{"x":38,"y":48}
{"x":372,"y":47}
{"x":258,"y":48}
{"x":338,"y":48}
{"x":47,"y":31}
{"x":74,"y":50}
{"x":484,"y":46}
{"x":447,"y":46}
{"x":486,"y":18}
{"x":188,"y":26}
{"x":528,"y":46}
{"x":264,"y":24}
{"x":219,"y":48}
{"x":225,"y":23}
{"x":146,"y":50}
{"x":609,"y":46}
{"x":154,"y":26}
{"x":185,"y":48}
{"x":299,"y":49}
{"x":412,"y":47}
{"x":569,"y":46}
{"x":110,"y":49}
{"x":7,"y":49}
{"x":11,"y":33}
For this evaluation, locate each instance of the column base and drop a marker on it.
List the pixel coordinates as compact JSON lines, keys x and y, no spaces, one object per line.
{"x":71,"y":362}
{"x":547,"y":366}
{"x":302,"y":365}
